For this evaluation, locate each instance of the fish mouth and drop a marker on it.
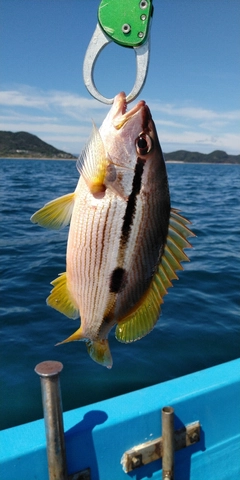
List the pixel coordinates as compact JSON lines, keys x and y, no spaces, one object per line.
{"x":120,"y":110}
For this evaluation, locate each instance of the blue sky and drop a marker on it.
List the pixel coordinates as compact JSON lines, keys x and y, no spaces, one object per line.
{"x":192,"y":88}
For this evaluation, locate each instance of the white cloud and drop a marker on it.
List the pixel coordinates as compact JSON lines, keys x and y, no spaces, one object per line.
{"x":203,"y":130}
{"x":17,"y":117}
{"x":202,"y":142}
{"x":13,"y":98}
{"x":46,"y":128}
{"x":64,"y":120}
{"x":196,"y":113}
{"x":169,"y":123}
{"x":33,"y":98}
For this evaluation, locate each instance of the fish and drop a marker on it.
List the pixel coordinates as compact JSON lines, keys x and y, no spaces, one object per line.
{"x":125,"y":241}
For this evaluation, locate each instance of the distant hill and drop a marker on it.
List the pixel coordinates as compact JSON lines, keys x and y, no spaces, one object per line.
{"x":218,"y":156}
{"x":26,"y":145}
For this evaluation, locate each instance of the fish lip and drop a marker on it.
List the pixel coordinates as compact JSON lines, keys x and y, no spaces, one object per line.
{"x":121,"y":114}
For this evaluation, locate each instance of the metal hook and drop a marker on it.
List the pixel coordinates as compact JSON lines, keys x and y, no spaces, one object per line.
{"x":98,"y":42}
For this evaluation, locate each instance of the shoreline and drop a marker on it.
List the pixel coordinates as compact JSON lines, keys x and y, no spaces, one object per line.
{"x":75,"y":159}
{"x":39,"y":158}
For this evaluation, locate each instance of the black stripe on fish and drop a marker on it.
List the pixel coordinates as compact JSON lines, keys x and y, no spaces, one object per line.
{"x":106,"y":320}
{"x":117,"y":278}
{"x":119,"y":275}
{"x":131,"y":204}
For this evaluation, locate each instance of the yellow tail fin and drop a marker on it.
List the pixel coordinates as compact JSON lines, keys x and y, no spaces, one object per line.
{"x":98,"y":350}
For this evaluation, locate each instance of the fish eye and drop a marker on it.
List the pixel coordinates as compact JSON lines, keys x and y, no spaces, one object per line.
{"x":143,"y":144}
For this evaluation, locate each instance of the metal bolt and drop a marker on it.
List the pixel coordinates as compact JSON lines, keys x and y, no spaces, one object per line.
{"x":136,"y":461}
{"x":48,"y":368}
{"x":140,"y":34}
{"x":126,"y":28}
{"x":143,"y":17}
{"x":143,"y":4}
{"x":194,"y":437}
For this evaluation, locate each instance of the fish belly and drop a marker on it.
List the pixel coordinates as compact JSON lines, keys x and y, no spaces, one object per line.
{"x":92,"y":256}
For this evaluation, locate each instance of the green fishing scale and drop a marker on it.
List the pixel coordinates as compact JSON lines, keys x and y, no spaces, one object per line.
{"x":126,"y":22}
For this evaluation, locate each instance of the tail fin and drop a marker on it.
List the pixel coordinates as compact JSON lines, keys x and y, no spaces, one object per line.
{"x":99,"y":351}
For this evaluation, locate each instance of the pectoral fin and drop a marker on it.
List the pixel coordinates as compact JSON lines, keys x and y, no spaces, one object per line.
{"x":98,"y":169}
{"x":92,"y":163}
{"x":55,"y":214}
{"x":60,"y":298}
{"x":142,"y":318}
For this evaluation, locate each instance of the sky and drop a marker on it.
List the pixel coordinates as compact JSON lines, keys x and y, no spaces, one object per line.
{"x":192,"y":87}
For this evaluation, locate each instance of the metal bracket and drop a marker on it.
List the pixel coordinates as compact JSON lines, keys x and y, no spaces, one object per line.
{"x":150,"y":451}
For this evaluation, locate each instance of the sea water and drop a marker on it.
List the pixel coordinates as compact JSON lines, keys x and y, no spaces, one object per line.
{"x":199,"y":326}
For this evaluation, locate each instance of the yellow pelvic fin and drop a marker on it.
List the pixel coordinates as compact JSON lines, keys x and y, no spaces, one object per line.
{"x":92,"y":163}
{"x":142,"y":318}
{"x":60,"y":298}
{"x":76,"y":336}
{"x":55,"y":214}
{"x":99,"y":351}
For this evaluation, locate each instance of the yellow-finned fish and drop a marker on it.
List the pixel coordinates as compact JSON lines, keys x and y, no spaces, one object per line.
{"x":125,"y":243}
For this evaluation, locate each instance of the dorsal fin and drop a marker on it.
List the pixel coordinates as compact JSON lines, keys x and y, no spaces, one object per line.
{"x":142,"y":318}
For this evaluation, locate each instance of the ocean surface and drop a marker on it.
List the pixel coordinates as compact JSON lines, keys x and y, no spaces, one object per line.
{"x":199,"y":326}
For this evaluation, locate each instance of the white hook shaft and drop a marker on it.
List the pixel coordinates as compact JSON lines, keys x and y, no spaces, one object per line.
{"x":98,"y":42}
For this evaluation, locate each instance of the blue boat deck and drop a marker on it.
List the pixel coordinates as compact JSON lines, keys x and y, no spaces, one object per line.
{"x":97,"y":435}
